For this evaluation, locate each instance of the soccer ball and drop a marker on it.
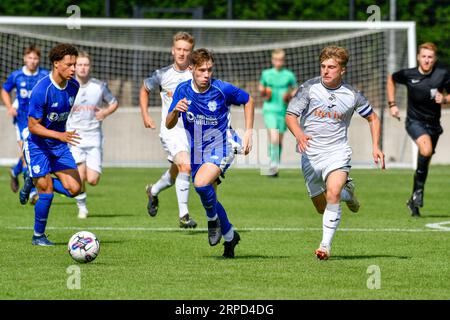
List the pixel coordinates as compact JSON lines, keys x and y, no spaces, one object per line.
{"x":83,"y":246}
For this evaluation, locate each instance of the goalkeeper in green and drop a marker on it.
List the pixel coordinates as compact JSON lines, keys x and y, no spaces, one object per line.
{"x":277,"y":86}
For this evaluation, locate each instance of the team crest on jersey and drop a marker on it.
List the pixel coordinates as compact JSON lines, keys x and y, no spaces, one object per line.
{"x":23,"y":84}
{"x":71,"y":100}
{"x":332,"y":97}
{"x":212,"y":106}
{"x":23,"y":93}
{"x":36,"y":169}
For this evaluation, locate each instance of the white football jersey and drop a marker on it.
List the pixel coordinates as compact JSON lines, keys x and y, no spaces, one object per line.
{"x":166,"y":80}
{"x":326,"y":113}
{"x":89,"y":99}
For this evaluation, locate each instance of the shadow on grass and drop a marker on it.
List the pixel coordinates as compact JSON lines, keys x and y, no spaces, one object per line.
{"x":247,"y":257}
{"x":109,"y":215}
{"x":371,"y":256}
{"x":424,"y":215}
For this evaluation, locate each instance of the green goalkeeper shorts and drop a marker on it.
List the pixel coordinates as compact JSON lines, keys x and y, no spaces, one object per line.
{"x":275,"y":120}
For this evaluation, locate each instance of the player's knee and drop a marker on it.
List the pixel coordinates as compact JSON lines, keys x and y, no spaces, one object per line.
{"x":74,"y":190}
{"x":426,"y":152}
{"x":93,"y":181}
{"x":185,"y":168}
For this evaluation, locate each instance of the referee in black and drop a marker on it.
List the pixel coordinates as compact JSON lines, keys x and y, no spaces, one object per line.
{"x":425,"y":85}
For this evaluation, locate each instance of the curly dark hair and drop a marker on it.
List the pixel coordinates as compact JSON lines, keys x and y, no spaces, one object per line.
{"x":60,"y":50}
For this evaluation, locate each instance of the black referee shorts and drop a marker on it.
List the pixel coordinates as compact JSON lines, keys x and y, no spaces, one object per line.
{"x":417,"y":128}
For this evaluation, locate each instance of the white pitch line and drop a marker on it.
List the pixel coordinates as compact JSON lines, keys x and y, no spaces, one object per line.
{"x":280,"y":229}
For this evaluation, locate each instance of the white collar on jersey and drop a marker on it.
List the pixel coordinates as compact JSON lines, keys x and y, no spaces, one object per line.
{"x":329,"y":88}
{"x":57,"y":85}
{"x":28,"y":73}
{"x":195,"y":90}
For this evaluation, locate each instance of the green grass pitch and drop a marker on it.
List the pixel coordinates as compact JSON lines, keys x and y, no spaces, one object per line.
{"x":379,"y":253}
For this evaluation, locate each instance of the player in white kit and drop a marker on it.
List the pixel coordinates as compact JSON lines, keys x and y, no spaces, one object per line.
{"x":325,"y":106}
{"x":173,"y":140}
{"x":86,"y":118}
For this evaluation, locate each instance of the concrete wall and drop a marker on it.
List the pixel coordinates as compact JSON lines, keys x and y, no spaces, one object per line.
{"x":128,"y":143}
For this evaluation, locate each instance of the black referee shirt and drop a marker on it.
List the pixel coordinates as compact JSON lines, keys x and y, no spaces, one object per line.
{"x":422,"y":91}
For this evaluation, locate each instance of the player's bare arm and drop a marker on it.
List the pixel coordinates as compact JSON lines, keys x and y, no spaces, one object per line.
{"x":7,"y":101}
{"x":143,"y":103}
{"x":300,"y":136}
{"x":172,"y":117}
{"x":375,"y":130}
{"x":390,"y":86}
{"x":441,"y":98}
{"x":249,"y":113}
{"x":101,"y":114}
{"x":35,"y":127}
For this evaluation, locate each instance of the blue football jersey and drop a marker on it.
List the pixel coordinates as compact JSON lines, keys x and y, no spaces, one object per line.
{"x":52,"y":104}
{"x":208,"y":121}
{"x":23,"y":82}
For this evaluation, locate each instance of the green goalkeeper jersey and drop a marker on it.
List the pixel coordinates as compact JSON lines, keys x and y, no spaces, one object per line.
{"x":279,"y":81}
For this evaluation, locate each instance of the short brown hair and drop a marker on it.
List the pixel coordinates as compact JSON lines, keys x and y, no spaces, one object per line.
{"x":200,"y":56}
{"x":429,"y":46}
{"x":339,"y":54}
{"x":181,"y":35}
{"x":32,"y":48}
{"x":61,"y":50}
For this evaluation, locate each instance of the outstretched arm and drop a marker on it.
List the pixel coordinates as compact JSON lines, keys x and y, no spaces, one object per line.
{"x":375,"y":131}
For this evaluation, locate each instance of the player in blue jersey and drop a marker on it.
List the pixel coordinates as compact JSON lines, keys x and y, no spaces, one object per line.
{"x":22,"y":80}
{"x":204,"y":105}
{"x":46,"y":148}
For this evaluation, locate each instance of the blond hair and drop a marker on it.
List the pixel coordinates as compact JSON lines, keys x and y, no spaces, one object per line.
{"x":339,"y":54}
{"x":278,"y":52}
{"x":181,"y":35}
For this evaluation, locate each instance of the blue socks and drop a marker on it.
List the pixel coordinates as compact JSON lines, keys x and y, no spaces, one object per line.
{"x":225,"y":224}
{"x":213,"y":207}
{"x":58,"y":187}
{"x":41,"y":210}
{"x":209,"y":199}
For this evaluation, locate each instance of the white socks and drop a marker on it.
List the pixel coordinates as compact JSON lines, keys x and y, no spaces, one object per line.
{"x":81,"y":200}
{"x":163,"y":183}
{"x":229,"y":235}
{"x":182,"y":187}
{"x":330,"y":223}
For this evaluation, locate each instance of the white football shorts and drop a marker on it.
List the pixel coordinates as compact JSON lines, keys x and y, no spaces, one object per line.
{"x":92,"y":156}
{"x":317,"y":168}
{"x":174,"y":141}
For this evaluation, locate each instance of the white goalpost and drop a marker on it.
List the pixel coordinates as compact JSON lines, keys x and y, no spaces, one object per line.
{"x":126,"y":51}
